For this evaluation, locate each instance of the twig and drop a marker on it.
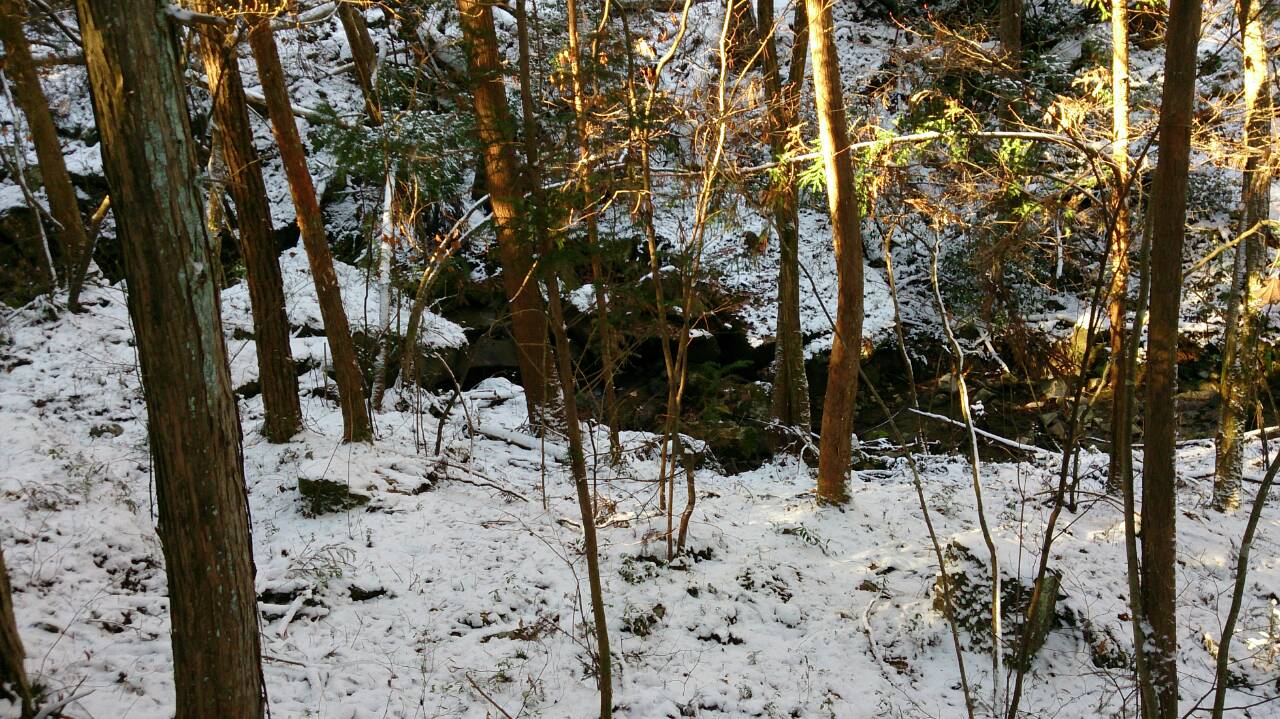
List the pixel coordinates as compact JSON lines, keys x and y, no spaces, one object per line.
{"x":487,"y":697}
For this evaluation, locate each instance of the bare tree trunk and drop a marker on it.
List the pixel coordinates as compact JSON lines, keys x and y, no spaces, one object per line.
{"x":1242,"y":573}
{"x":386,"y":242}
{"x":276,"y":372}
{"x":1011,"y":30}
{"x":790,"y":385}
{"x":585,"y":170}
{"x":1119,"y":229}
{"x":30,"y":98}
{"x":578,"y":465}
{"x":13,"y":670}
{"x":1168,"y":208}
{"x":356,"y":426}
{"x":1241,"y":361}
{"x":148,"y":157}
{"x":363,"y":54}
{"x":835,"y":452}
{"x":215,"y":208}
{"x":495,"y":130}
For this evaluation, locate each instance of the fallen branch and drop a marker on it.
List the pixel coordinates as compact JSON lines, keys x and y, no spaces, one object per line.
{"x":993,"y":437}
{"x":523,"y":441}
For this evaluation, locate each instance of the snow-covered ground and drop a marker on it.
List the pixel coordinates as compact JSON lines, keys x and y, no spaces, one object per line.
{"x":454,"y":577}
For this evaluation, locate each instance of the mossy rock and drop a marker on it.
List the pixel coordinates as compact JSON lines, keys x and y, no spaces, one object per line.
{"x":323,"y":496}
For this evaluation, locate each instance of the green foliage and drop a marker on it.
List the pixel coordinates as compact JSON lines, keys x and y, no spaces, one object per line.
{"x":431,"y":150}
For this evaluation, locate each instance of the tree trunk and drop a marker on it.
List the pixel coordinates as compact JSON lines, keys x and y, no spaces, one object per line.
{"x":1011,"y":30}
{"x":1241,"y":360}
{"x":13,"y":670}
{"x":836,"y":448}
{"x":1168,"y":208}
{"x":1119,"y":230}
{"x":790,"y":385}
{"x":30,"y":98}
{"x":364,"y":56}
{"x":386,"y":241}
{"x":494,"y":128}
{"x":578,"y":465}
{"x":356,"y":426}
{"x":147,"y":155}
{"x":608,"y":347}
{"x":215,"y":209}
{"x":243,"y":176}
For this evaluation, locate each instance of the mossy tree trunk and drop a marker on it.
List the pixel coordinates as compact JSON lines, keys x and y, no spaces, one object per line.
{"x":149,"y":160}
{"x":790,"y":385}
{"x":1242,"y":363}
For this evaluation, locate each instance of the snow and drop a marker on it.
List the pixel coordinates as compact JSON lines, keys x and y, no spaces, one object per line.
{"x":455,"y":575}
{"x":453,"y":572}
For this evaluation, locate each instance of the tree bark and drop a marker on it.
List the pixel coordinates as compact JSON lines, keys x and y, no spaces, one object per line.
{"x":578,"y":465}
{"x":356,"y":426}
{"x":790,"y":385}
{"x":243,"y":176}
{"x":1011,"y":30}
{"x":1119,"y":231}
{"x":13,"y":670}
{"x":495,"y":130}
{"x":1241,"y":360}
{"x":364,"y":56}
{"x":1168,"y":208}
{"x":148,"y":158}
{"x":835,"y":451}
{"x":30,"y":98}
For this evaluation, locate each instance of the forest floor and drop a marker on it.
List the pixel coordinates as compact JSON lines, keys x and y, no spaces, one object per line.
{"x":442,"y":585}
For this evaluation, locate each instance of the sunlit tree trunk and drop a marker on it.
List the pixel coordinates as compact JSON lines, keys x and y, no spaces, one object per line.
{"x":30,"y":98}
{"x":835,"y":452}
{"x":495,"y":130}
{"x":1168,"y":208}
{"x":1119,"y":230}
{"x":13,"y":670}
{"x":243,"y":177}
{"x":356,"y":426}
{"x":147,"y":154}
{"x":790,"y":386}
{"x":1241,"y":360}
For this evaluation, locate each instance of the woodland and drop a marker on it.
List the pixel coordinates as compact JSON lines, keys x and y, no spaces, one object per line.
{"x":639,"y":358}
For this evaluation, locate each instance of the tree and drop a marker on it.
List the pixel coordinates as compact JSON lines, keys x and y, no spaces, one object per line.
{"x":30,"y":98}
{"x":585,"y":168}
{"x":1011,"y":30}
{"x":149,"y":160}
{"x":243,"y":177}
{"x":1241,"y":363}
{"x":1168,"y":211}
{"x":13,"y":670}
{"x":356,"y":426}
{"x":364,"y":56}
{"x":790,"y":385}
{"x":495,"y":131}
{"x":1119,"y":231}
{"x":836,"y":449}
